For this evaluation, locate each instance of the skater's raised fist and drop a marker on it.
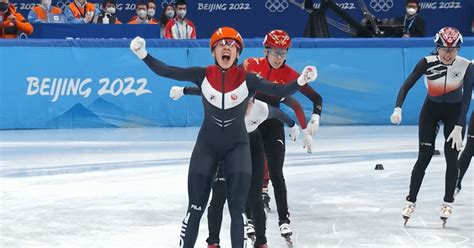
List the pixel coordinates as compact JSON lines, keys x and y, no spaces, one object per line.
{"x":309,"y":74}
{"x":396,"y":117}
{"x":176,"y":92}
{"x":138,"y":47}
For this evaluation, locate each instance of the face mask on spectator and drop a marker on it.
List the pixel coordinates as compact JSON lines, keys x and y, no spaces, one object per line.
{"x":110,"y":10}
{"x":151,"y":12}
{"x":411,"y":11}
{"x":169,"y":13}
{"x":141,"y":13}
{"x":181,"y":13}
{"x":46,"y":3}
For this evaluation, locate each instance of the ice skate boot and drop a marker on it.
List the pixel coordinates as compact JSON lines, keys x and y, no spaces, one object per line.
{"x":446,"y":211}
{"x":286,"y":233}
{"x":250,"y":231}
{"x":408,"y":211}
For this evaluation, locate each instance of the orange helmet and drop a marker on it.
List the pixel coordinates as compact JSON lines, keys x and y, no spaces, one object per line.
{"x":277,"y":39}
{"x":227,"y":33}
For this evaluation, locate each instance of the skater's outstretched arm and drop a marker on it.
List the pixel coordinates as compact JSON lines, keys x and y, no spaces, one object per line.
{"x":191,"y":74}
{"x":291,"y":102}
{"x":257,"y":83}
{"x":420,"y":68}
{"x":195,"y":91}
{"x":176,"y":92}
{"x":315,"y":97}
{"x":313,"y":124}
{"x":294,"y":129}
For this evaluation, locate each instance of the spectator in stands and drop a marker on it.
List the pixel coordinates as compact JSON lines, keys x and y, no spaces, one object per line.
{"x":142,"y":14}
{"x":413,"y":24}
{"x":107,"y":13}
{"x":45,"y":13}
{"x":168,"y":14}
{"x":12,"y":23}
{"x":80,"y":11}
{"x":180,"y":27}
{"x":151,"y":10}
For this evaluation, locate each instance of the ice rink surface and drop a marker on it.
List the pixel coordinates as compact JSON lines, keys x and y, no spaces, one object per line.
{"x":127,"y":188}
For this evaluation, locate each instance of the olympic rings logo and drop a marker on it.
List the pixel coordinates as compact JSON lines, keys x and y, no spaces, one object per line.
{"x":381,"y":5}
{"x":276,"y":5}
{"x":62,"y":4}
{"x":165,"y":2}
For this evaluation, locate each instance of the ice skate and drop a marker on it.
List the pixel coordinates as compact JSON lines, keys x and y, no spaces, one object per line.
{"x":261,"y":246}
{"x":250,"y":231}
{"x":408,"y":211}
{"x":286,"y":233}
{"x":266,"y":201}
{"x":446,"y":211}
{"x":213,"y":246}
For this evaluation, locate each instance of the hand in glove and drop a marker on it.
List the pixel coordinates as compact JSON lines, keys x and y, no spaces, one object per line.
{"x":138,"y":47}
{"x":313,"y":124}
{"x":176,"y":92}
{"x":294,"y":132}
{"x":396,"y":117}
{"x":307,"y":140}
{"x":309,"y":74}
{"x":456,"y":136}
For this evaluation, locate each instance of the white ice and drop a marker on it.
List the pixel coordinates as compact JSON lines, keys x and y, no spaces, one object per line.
{"x":127,"y":188}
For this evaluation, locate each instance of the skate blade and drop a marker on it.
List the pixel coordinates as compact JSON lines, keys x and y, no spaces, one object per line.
{"x":406,"y":218}
{"x":288,"y":241}
{"x":252,"y":237}
{"x":444,"y":219}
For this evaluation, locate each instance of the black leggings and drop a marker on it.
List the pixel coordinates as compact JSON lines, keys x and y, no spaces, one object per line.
{"x":202,"y":171}
{"x":273,"y":136}
{"x":431,"y":113}
{"x":467,"y":153}
{"x":254,"y":200}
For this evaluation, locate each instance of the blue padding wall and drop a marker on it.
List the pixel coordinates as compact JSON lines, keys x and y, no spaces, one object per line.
{"x":101,"y":83}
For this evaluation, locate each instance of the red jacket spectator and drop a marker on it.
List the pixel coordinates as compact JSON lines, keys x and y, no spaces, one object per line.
{"x":180,"y":30}
{"x":180,"y":27}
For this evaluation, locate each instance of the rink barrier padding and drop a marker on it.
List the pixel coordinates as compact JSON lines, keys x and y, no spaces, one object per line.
{"x":100,"y":82}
